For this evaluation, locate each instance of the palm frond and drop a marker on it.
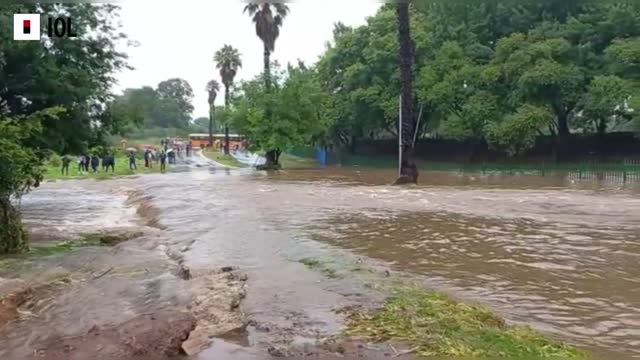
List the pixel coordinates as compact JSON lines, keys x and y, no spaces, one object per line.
{"x":267,"y":25}
{"x":228,"y":61}
{"x":281,"y":9}
{"x":251,"y":8}
{"x":212,"y":88}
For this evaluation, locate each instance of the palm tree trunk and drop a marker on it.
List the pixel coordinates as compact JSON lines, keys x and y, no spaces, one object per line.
{"x":408,"y":168}
{"x":272,"y":156}
{"x":226,"y":127}
{"x":267,"y":67}
{"x":211,"y":126}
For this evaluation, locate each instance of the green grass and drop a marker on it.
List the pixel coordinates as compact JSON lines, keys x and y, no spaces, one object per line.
{"x":435,"y":325}
{"x":309,"y":262}
{"x":43,"y":249}
{"x":317,"y":264}
{"x":223,"y":159}
{"x":121,"y":169}
{"x":289,"y":161}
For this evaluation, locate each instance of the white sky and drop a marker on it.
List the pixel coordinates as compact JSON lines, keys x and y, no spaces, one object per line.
{"x":179,"y":38}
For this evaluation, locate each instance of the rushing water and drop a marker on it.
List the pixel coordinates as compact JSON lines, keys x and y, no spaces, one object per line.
{"x":550,"y":252}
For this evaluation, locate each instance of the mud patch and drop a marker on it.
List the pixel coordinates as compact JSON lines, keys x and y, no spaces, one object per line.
{"x":346,"y":349}
{"x":114,"y":237}
{"x":18,"y":300}
{"x":152,"y":337}
{"x":217,"y":296}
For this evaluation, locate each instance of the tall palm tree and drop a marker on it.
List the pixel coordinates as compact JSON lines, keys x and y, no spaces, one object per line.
{"x":408,"y":169}
{"x":228,"y":61}
{"x":212,"y":88}
{"x":268,"y":18}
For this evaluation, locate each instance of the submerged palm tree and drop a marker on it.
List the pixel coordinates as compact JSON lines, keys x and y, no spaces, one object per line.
{"x":268,"y":18}
{"x":212,"y":88}
{"x":228,"y":61}
{"x":408,"y":169}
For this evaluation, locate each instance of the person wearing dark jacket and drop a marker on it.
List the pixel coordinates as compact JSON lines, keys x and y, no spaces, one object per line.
{"x":147,"y":158}
{"x":87,"y":162}
{"x":163,"y":161}
{"x":65,"y":165}
{"x":132,"y":161}
{"x":95,"y":162}
{"x":80,"y":163}
{"x":108,"y":161}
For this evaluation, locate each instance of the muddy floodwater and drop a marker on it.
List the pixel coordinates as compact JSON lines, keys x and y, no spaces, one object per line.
{"x":559,"y":255}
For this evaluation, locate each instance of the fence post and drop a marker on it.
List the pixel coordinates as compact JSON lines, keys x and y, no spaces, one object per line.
{"x":542,"y":168}
{"x":580,"y":170}
{"x":624,"y":172}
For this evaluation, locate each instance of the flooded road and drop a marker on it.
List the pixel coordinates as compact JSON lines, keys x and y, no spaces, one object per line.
{"x":560,"y":256}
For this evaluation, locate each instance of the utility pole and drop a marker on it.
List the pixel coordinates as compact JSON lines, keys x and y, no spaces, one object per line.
{"x":400,"y":138}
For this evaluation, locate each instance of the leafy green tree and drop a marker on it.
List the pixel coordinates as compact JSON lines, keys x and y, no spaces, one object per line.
{"x":624,"y":57}
{"x":132,"y":109}
{"x":20,"y":170}
{"x":40,"y":78}
{"x":517,"y":131}
{"x":296,"y":104}
{"x":542,"y":72}
{"x":360,"y":69}
{"x":228,"y":62}
{"x":268,"y":18}
{"x":76,"y":73}
{"x":200,"y":125}
{"x":143,"y":102}
{"x":606,"y":104}
{"x":454,"y":88}
{"x":212,"y":89}
{"x":174,"y":106}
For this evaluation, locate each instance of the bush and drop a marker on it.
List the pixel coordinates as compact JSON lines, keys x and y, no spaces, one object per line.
{"x":99,"y":150}
{"x":55,"y":160}
{"x":118,"y":151}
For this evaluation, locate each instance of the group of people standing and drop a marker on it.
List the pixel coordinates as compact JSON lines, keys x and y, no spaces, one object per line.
{"x":150,"y":156}
{"x":85,"y":162}
{"x":168,"y":150}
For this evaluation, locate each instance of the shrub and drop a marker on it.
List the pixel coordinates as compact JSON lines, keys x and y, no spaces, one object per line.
{"x":55,"y":160}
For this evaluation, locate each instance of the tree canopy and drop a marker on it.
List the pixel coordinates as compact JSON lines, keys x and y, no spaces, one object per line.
{"x":54,"y":96}
{"x":482,"y":66}
{"x":297,"y":105}
{"x":167,"y":106}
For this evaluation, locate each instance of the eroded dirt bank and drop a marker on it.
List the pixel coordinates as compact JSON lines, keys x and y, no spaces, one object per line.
{"x":135,"y":294}
{"x":132,"y":297}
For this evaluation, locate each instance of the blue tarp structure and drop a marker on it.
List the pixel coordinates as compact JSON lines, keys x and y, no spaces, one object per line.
{"x":321,"y":156}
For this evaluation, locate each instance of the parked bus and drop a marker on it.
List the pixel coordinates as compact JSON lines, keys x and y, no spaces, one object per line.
{"x":202,"y":141}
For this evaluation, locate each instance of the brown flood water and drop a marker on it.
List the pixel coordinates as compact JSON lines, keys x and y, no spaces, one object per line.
{"x":558,"y":255}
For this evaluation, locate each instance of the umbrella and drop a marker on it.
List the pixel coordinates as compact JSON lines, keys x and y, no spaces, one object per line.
{"x":132,"y":149}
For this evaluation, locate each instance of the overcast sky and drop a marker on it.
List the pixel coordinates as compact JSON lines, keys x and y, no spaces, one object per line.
{"x":179,"y":38}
